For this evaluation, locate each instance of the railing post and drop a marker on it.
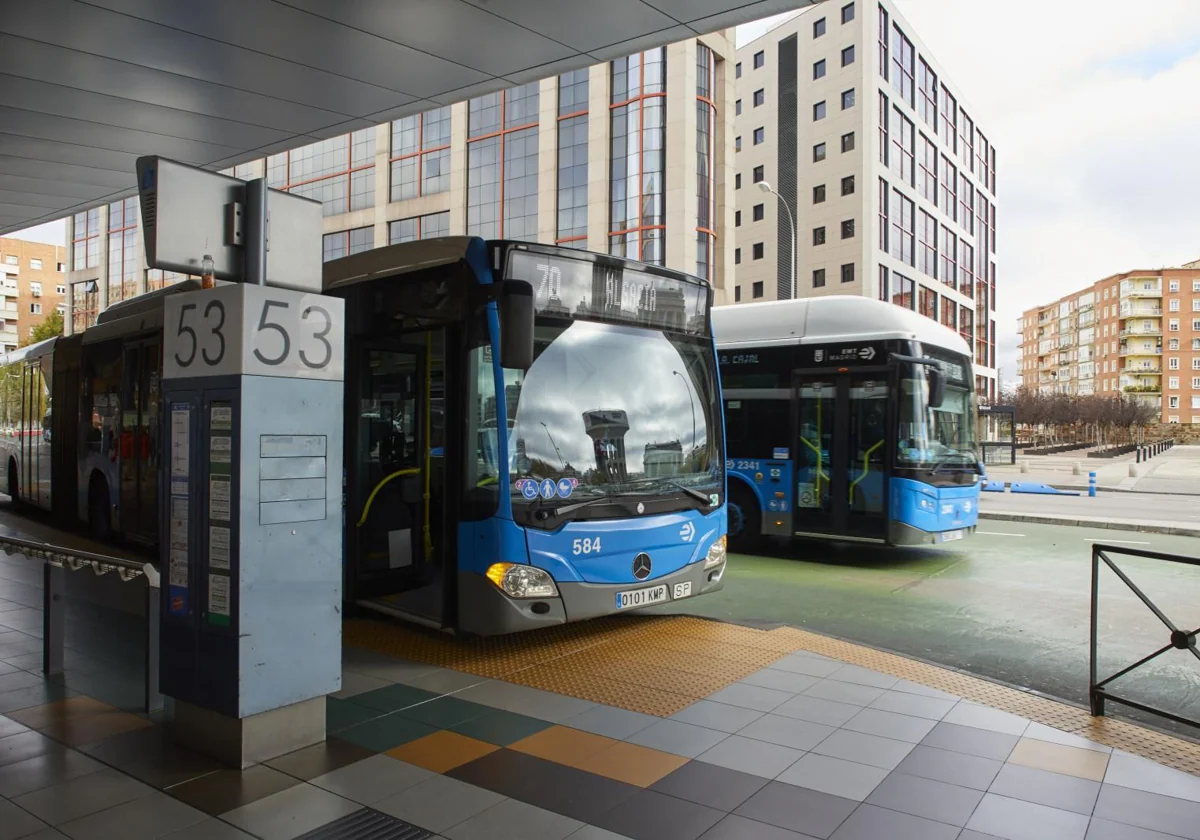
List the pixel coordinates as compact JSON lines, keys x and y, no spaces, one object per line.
{"x":1094,"y":698}
{"x":54,"y":611}
{"x":154,"y":698}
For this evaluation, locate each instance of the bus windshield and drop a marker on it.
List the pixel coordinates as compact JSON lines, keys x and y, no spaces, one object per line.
{"x":614,"y":413}
{"x":933,"y":438}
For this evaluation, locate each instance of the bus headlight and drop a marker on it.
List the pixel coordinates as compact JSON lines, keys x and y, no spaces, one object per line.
{"x":925,"y":504}
{"x":716,"y":553}
{"x":520,"y":581}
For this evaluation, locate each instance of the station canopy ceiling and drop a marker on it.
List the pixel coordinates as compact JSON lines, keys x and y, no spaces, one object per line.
{"x":87,"y":87}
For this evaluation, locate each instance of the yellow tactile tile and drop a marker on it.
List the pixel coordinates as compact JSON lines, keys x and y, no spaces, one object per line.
{"x":563,"y":745}
{"x":632,"y":764}
{"x":50,"y":714}
{"x":657,"y":665}
{"x":1057,"y":758}
{"x":442,"y":751}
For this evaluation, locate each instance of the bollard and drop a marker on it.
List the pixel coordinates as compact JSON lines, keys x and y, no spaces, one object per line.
{"x":1092,"y":484}
{"x":1133,"y":471}
{"x":1137,"y":455}
{"x":1024,"y":466}
{"x":1077,"y":469}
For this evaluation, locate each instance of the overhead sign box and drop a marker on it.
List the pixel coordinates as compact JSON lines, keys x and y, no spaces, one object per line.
{"x":188,"y":212}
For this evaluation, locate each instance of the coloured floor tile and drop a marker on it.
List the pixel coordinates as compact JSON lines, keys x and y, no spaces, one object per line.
{"x":442,"y":751}
{"x":563,"y":745}
{"x":500,"y":727}
{"x":631,"y":764}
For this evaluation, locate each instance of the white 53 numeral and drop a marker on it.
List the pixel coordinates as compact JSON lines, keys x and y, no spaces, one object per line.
{"x":586,"y":546}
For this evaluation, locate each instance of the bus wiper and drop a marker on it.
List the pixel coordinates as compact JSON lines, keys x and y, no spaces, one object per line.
{"x":695,"y":494}
{"x":973,"y":467}
{"x":544,"y":514}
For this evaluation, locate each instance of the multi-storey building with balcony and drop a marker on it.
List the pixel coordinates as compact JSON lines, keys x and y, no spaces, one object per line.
{"x":32,"y":287}
{"x":1135,"y":333}
{"x":631,"y":156}
{"x":875,"y":151}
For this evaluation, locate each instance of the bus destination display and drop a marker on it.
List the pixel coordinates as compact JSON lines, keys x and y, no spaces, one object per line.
{"x":567,"y":287}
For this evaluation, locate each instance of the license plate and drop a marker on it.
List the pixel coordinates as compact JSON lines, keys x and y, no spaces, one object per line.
{"x":947,"y":536}
{"x":682,"y":590}
{"x":641,"y":597}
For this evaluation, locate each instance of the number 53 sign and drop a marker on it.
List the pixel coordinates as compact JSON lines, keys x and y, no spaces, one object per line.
{"x":253,"y":330}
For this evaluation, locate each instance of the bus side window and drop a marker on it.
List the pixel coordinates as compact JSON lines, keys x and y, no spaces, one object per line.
{"x":766,"y":426}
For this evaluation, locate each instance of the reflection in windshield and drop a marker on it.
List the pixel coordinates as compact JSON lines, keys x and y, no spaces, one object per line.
{"x":606,"y":410}
{"x":933,"y":436}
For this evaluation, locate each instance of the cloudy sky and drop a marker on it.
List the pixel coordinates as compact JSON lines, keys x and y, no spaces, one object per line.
{"x":1094,"y":107}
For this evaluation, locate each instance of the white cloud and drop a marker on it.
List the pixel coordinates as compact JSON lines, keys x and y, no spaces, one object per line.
{"x":1092,"y":106}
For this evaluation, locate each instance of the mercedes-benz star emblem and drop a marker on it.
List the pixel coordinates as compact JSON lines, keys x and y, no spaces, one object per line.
{"x":641,"y":566}
{"x":641,"y":508}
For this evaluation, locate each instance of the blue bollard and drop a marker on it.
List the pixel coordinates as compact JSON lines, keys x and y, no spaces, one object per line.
{"x":1092,"y":484}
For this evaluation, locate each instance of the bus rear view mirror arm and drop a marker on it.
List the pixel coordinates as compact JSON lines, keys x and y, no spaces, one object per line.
{"x":516,"y":325}
{"x":937,"y":379}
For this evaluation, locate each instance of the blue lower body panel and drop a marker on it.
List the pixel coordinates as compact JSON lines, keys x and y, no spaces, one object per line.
{"x":922,"y":514}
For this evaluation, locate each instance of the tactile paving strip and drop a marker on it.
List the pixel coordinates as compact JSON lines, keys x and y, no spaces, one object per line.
{"x":658,"y":665}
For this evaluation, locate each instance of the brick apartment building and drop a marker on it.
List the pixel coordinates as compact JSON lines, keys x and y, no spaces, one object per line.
{"x":32,"y":287}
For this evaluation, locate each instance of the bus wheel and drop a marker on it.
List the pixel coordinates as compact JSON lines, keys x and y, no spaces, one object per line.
{"x":745,"y":521}
{"x":99,"y":509}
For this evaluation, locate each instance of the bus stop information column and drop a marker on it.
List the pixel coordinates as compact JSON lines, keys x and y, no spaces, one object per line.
{"x":251,"y":640}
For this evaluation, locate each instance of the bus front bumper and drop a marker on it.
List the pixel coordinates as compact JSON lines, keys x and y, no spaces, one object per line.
{"x":901,"y":534}
{"x":486,"y":611}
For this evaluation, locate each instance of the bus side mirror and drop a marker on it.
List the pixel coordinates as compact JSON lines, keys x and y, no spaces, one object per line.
{"x":516,"y":325}
{"x":937,"y":387}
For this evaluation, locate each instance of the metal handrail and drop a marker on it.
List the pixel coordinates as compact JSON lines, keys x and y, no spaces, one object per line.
{"x":1178,"y":639}
{"x":76,"y":559}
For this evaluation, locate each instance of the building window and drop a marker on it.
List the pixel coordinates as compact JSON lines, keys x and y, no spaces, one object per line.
{"x":818,"y":193}
{"x":419,"y":227}
{"x":818,"y":152}
{"x":157,"y":278}
{"x":927,"y":182}
{"x":757,"y":251}
{"x":949,"y":313}
{"x":1173,"y":363}
{"x":758,"y":174}
{"x":847,"y":13}
{"x":737,"y":218}
{"x":848,"y":56}
{"x":903,"y":152}
{"x":760,"y":58}
{"x":706,"y":123}
{"x":760,"y":96}
{"x":85,"y":304}
{"x":847,"y":99}
{"x":60,"y":289}
{"x":737,"y":181}
{"x":818,"y":236}
{"x":903,"y":291}
{"x":949,"y":202}
{"x":502,"y":163}
{"x":12,"y":259}
{"x":819,"y":111}
{"x":819,"y":69}
{"x":760,"y":134}
{"x":35,"y":309}
{"x":36,"y":264}
{"x":737,"y":143}
{"x":122,"y":250}
{"x":758,"y":211}
{"x":883,"y":44}
{"x":927,"y":253}
{"x":737,"y":108}
{"x":756,"y":290}
{"x":947,"y":120}
{"x":737,"y":70}
{"x":848,"y":229}
{"x":344,"y":243}
{"x":848,"y":142}
{"x":85,"y":241}
{"x":883,"y":283}
{"x":848,"y":272}
{"x":966,"y":140}
{"x":60,"y":267}
{"x":948,"y":267}
{"x":927,"y":83}
{"x":420,"y":161}
{"x":35,"y":288}
{"x":818,"y":28}
{"x":737,"y":256}
{"x":338,"y":172}
{"x":966,"y":261}
{"x":903,"y":235}
{"x":903,"y":68}
{"x":884,"y":117}
{"x":571,"y":227}
{"x":927,"y":303}
{"x":818,"y":278}
{"x":848,"y":185}
{"x":966,"y":202}
{"x":884,"y":202}
{"x":737,"y":294}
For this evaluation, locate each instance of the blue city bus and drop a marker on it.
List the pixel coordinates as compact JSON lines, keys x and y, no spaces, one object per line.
{"x":846,"y":419}
{"x":533,"y":434}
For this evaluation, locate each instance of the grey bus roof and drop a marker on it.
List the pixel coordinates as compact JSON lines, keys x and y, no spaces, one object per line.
{"x":32,"y":351}
{"x":140,"y":314}
{"x":395,"y":259}
{"x":827,"y":320}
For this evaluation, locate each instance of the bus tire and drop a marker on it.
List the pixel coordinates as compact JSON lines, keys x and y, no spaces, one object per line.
{"x":13,"y":488}
{"x":99,"y":508}
{"x":745,"y":520}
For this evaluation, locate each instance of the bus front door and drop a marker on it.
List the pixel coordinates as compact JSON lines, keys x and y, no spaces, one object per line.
{"x":393,"y":470}
{"x":842,"y":453}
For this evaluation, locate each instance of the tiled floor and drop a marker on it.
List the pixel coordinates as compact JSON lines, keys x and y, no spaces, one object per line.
{"x":847,"y":755}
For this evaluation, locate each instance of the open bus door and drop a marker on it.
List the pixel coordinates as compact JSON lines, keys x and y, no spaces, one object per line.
{"x":395,"y":554}
{"x":843,"y":452}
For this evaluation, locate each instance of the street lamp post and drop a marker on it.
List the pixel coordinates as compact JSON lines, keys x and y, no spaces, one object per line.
{"x":766,"y":187}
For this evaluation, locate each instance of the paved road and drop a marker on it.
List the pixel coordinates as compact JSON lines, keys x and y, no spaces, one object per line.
{"x":1011,"y":603}
{"x":1176,"y":471}
{"x":1149,"y":509}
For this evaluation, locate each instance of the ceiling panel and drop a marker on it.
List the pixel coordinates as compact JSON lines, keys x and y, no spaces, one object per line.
{"x":64,"y":173}
{"x":62,"y":66}
{"x":51,"y":188}
{"x":713,"y":21}
{"x":288,"y":33}
{"x":61,"y":151}
{"x":584,"y":26}
{"x":457,"y":31}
